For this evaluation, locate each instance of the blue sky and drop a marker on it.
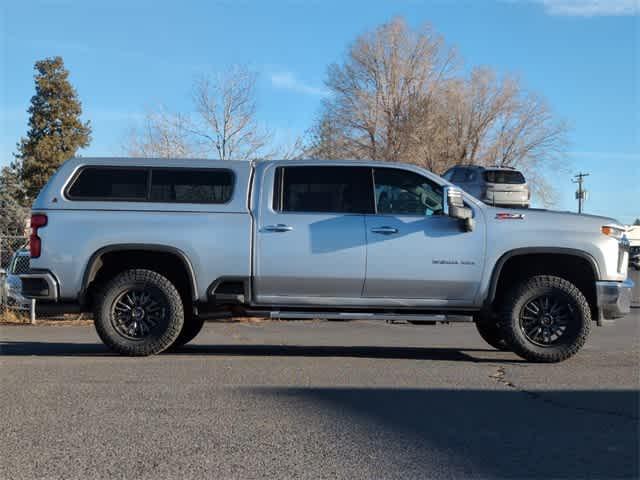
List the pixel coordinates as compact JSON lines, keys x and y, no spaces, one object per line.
{"x":127,"y":56}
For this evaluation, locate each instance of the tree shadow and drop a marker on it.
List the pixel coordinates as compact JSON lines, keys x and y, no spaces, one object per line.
{"x":505,"y":434}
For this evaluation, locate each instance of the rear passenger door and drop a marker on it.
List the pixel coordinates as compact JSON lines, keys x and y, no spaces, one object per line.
{"x":310,"y":239}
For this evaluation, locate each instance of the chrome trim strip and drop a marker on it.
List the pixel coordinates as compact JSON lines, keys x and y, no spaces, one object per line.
{"x":277,"y":314}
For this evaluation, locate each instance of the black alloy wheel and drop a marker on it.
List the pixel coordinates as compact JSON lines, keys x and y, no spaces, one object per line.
{"x":544,"y":320}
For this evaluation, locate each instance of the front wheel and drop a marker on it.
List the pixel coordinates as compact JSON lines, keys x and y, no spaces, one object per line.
{"x":190,"y":330}
{"x":139,"y":312}
{"x":545,"y":319}
{"x":490,"y":332}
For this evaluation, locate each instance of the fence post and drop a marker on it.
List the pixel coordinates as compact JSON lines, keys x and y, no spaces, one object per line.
{"x":33,"y":311}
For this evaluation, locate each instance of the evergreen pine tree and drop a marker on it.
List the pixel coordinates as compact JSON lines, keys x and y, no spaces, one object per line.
{"x":55,"y":129}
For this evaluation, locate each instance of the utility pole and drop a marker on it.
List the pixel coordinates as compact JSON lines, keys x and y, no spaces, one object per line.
{"x":581,"y":193}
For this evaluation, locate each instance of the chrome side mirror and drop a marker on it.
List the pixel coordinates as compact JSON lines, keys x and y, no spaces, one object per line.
{"x":454,"y":208}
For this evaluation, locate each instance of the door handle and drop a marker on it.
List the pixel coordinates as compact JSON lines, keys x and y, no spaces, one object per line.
{"x":280,"y":227}
{"x":385,"y":230}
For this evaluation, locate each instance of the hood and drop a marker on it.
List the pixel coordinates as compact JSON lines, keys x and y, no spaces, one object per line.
{"x":571,"y":218}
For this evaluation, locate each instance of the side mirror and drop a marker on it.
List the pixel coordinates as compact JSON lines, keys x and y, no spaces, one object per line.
{"x":454,"y":208}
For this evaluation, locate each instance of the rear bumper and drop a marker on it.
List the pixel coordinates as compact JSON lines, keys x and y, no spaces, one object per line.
{"x":41,"y":285}
{"x":614,"y":298}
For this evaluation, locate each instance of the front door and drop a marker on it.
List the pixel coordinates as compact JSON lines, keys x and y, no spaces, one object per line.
{"x":413,"y":250}
{"x":310,"y":239}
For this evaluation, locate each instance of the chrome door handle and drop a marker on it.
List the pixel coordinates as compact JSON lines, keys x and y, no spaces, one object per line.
{"x":385,"y":230}
{"x":277,"y":228}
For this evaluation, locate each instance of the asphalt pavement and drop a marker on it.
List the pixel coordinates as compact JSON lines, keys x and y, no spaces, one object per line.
{"x":317,"y":400}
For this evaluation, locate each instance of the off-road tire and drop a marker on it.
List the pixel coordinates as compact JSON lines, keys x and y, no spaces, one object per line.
{"x":162,"y":336}
{"x":490,"y":332}
{"x":190,"y":330}
{"x":578,"y":326}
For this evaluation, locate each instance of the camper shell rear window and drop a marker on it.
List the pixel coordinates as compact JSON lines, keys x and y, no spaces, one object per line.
{"x":155,"y":184}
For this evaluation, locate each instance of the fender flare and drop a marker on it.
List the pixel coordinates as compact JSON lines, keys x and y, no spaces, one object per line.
{"x":518,"y":252}
{"x":92,"y":266}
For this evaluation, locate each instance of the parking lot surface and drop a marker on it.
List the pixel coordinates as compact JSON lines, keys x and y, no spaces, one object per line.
{"x":317,"y":400}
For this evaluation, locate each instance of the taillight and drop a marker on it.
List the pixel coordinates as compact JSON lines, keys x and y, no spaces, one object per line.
{"x":35,"y":244}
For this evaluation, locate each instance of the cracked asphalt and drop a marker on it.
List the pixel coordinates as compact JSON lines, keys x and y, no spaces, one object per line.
{"x":317,"y":400}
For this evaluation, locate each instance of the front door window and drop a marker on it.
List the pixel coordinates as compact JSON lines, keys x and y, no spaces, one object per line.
{"x":402,"y":192}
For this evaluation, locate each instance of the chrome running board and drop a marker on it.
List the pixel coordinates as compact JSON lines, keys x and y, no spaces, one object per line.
{"x":390,"y":317}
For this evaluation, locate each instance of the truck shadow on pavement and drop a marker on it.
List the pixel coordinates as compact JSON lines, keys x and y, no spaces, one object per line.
{"x":484,"y":433}
{"x":28,"y":348}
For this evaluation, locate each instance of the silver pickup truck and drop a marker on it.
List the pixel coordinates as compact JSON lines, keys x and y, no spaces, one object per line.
{"x":154,"y":247}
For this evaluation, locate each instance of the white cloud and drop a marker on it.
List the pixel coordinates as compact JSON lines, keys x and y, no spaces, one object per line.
{"x":590,"y":8}
{"x":288,"y":81}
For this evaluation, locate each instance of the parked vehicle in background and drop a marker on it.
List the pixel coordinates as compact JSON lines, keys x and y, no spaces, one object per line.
{"x":12,"y":285}
{"x":156,"y":246}
{"x":3,"y":286}
{"x":633,"y":233}
{"x":497,"y":186}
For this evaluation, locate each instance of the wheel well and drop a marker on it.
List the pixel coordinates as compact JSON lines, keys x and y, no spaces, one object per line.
{"x":104,"y":266}
{"x":576,"y":269}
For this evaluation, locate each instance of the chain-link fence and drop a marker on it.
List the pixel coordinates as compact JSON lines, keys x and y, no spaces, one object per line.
{"x":14,"y":260}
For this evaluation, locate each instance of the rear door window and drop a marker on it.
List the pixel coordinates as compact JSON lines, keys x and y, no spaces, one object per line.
{"x":316,"y":189}
{"x":107,"y":183}
{"x":512,"y":177}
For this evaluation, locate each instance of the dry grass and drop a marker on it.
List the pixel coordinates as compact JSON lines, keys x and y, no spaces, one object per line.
{"x":70,"y":320}
{"x":13,"y":317}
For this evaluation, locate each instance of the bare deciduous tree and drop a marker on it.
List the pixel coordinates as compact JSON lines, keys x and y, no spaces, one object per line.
{"x":397,"y":97}
{"x":386,"y":73}
{"x":162,"y":135}
{"x":227,"y":116}
{"x":224,"y":124}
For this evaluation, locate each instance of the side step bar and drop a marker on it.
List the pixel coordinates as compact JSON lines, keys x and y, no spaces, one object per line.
{"x":390,"y":317}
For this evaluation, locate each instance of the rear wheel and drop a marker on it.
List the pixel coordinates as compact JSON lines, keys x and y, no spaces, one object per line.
{"x":139,"y":312}
{"x":545,"y":319}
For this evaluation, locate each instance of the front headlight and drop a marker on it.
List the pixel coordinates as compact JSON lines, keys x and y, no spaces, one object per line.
{"x":613,"y":231}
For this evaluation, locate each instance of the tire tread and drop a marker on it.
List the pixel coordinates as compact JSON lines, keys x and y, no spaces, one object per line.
{"x":139,"y":348}
{"x":519,"y":344}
